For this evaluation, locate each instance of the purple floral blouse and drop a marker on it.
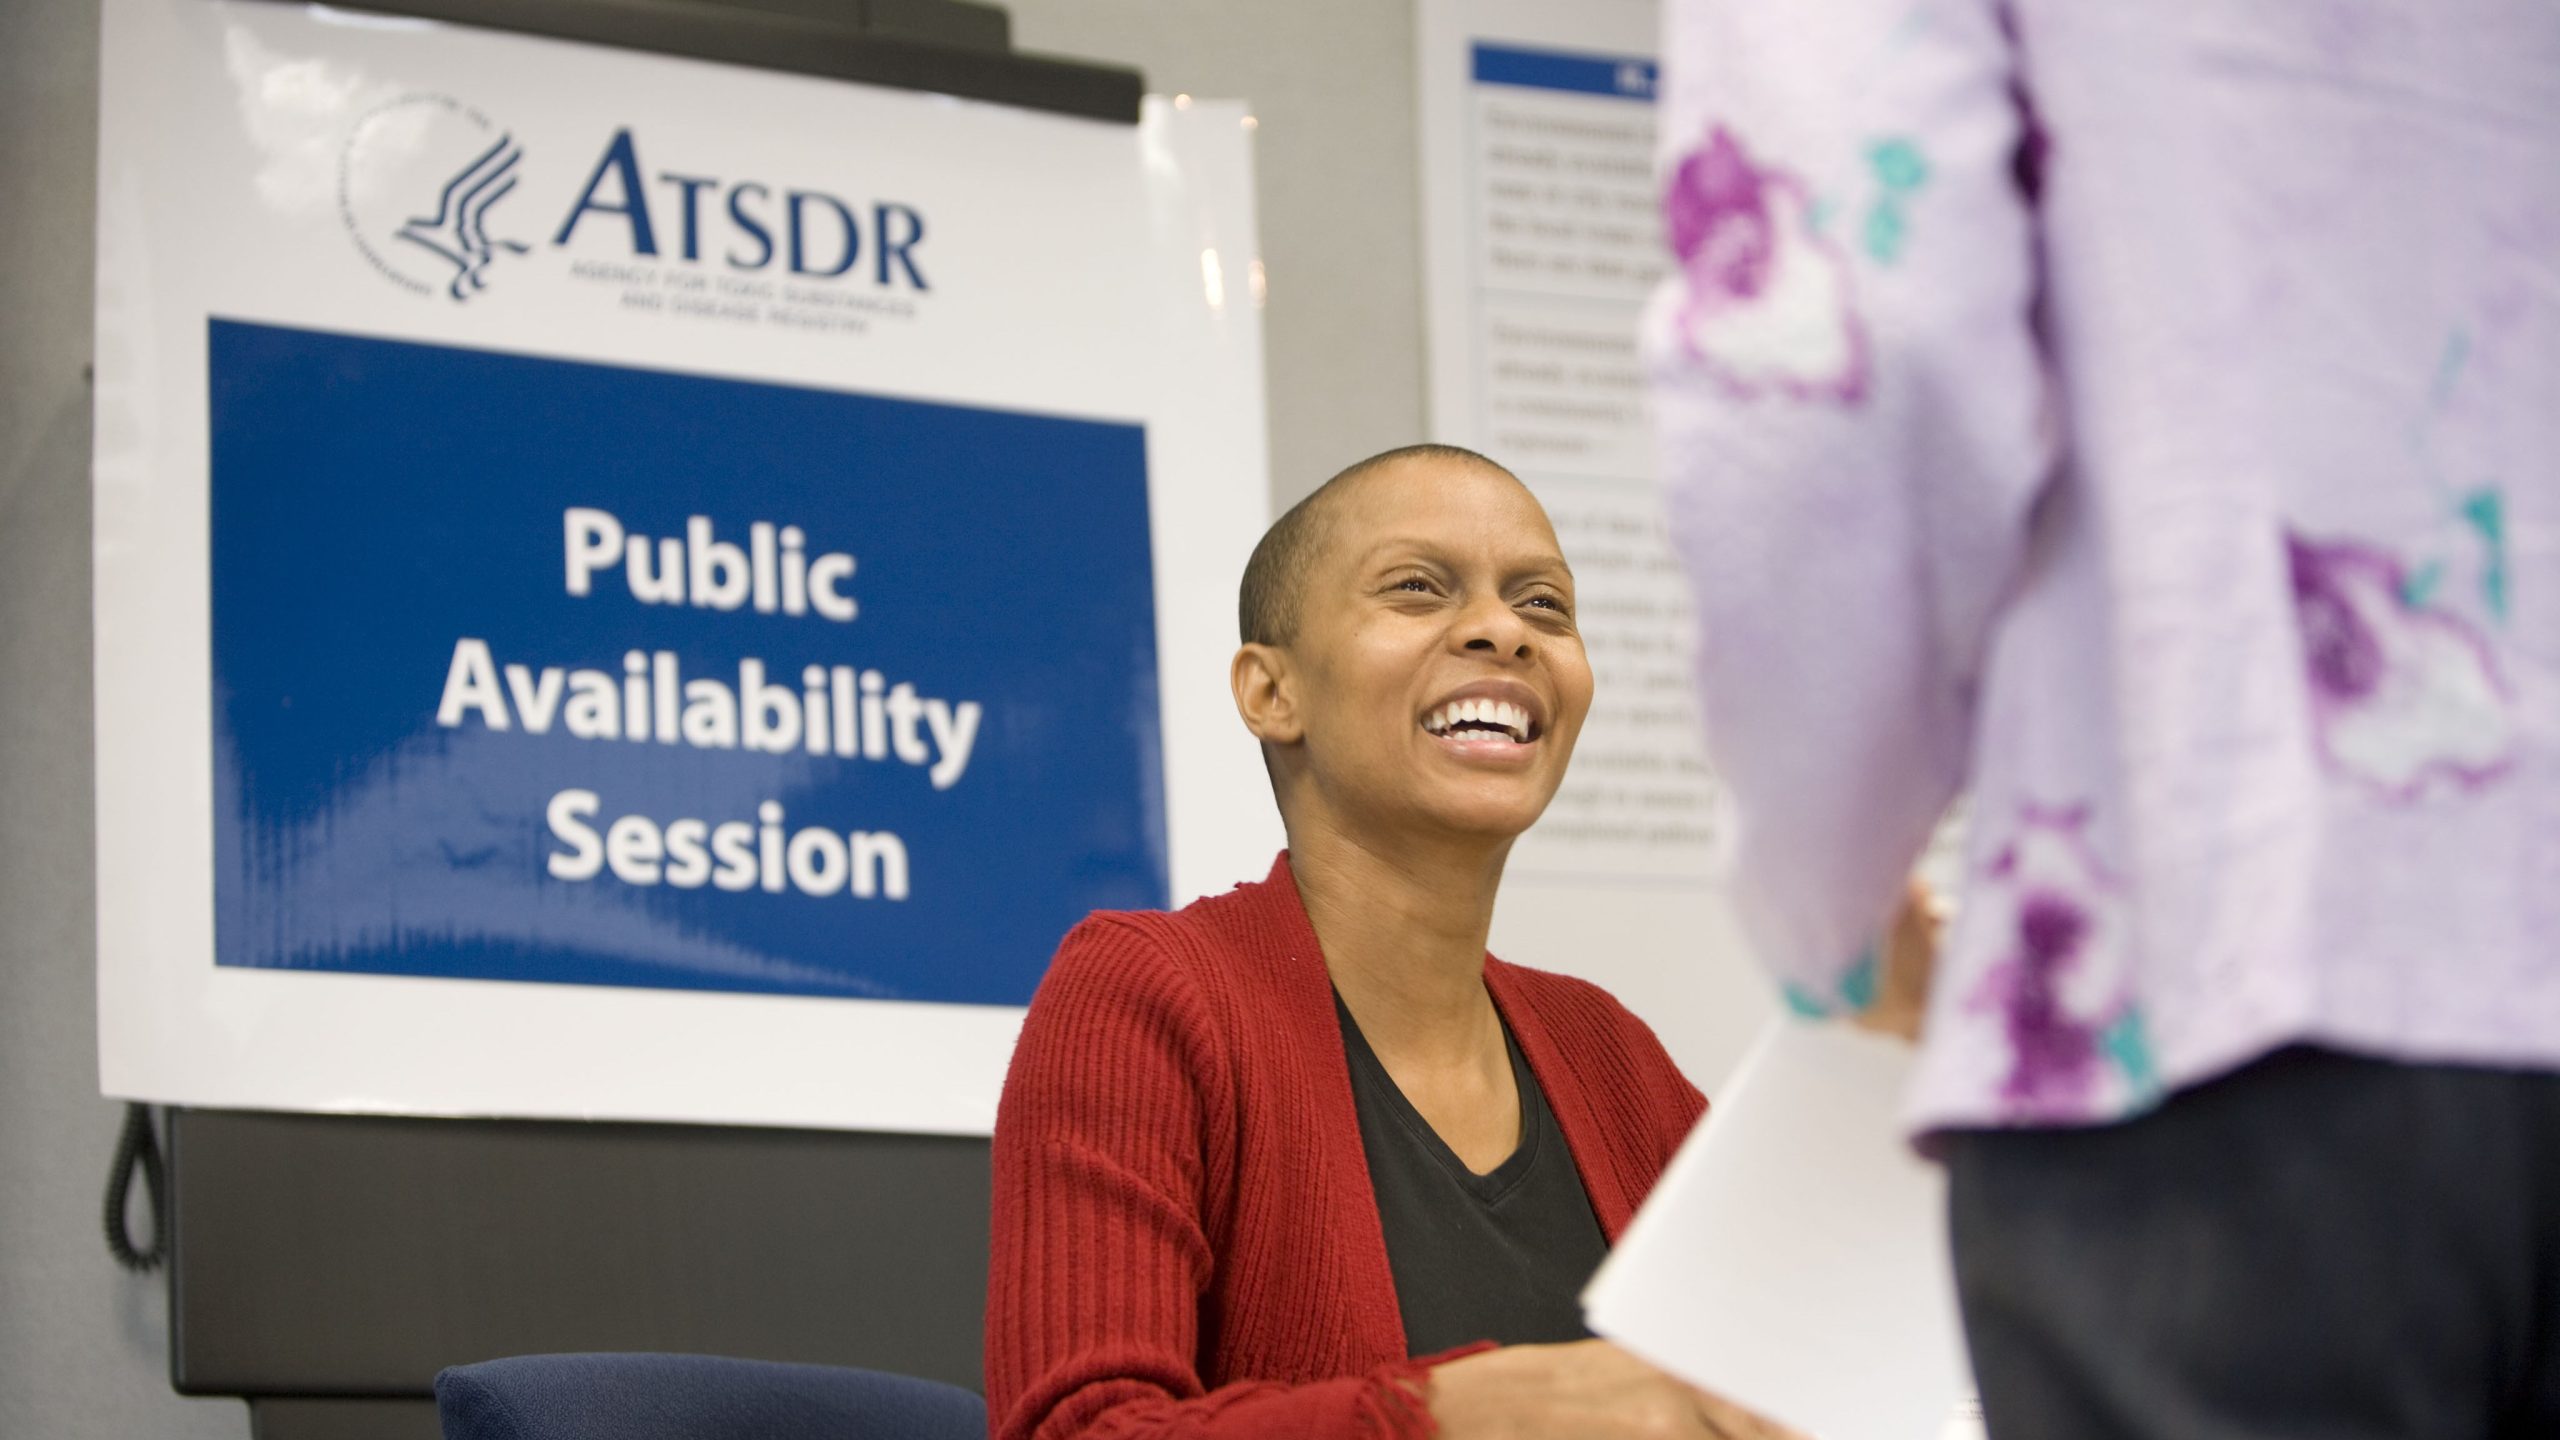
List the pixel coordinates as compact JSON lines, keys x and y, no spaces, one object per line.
{"x":2145,"y":417}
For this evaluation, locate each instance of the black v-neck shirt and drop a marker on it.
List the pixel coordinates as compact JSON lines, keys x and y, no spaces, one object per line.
{"x":1500,"y":1257}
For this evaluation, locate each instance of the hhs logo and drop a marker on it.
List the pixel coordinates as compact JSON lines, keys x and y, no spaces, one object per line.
{"x":416,"y":186}
{"x":422,"y":178}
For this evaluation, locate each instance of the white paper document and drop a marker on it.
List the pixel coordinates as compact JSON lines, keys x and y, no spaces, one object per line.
{"x":1794,"y":1256}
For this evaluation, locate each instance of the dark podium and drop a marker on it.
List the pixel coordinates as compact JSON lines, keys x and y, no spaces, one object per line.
{"x":326,"y":1267}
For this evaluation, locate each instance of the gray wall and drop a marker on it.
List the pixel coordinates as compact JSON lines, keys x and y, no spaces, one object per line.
{"x":1331,"y":83}
{"x":82,"y":1346}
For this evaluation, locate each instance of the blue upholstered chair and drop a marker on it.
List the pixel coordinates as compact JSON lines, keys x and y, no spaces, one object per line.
{"x":696,"y":1397}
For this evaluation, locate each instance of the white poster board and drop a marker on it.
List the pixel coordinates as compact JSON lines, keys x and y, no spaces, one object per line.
{"x":1541,"y":241}
{"x":634,"y":588}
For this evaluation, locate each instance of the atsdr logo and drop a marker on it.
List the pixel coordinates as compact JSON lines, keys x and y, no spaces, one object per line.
{"x":417,"y":184}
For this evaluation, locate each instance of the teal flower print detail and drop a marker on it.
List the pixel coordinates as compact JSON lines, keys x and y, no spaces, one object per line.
{"x":2129,"y":1047}
{"x":2485,"y":511}
{"x":1899,"y":172}
{"x":1855,"y":993}
{"x":2449,"y":366}
{"x":1898,"y":166}
{"x":2421,"y":585}
{"x":1885,"y":230}
{"x":1858,"y":987}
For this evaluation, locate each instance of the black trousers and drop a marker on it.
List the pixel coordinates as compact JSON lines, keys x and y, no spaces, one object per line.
{"x":2316,"y":1247}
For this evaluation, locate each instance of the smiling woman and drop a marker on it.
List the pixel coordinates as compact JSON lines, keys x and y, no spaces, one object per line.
{"x":1303,"y":1159}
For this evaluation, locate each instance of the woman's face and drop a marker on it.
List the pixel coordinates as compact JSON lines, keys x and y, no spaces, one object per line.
{"x":1440,"y":680}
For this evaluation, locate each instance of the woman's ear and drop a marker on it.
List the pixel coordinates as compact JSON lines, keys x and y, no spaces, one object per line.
{"x":1266,"y":694}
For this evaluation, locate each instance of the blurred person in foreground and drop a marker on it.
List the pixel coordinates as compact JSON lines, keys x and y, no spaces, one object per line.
{"x":2147,"y":416}
{"x":1293,"y":1160}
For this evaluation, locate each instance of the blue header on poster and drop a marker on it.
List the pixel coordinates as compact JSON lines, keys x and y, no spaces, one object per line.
{"x":536,"y":670}
{"x":1623,"y":77}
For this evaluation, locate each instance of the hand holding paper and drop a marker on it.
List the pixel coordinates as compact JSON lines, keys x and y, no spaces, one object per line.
{"x":1794,"y":1257}
{"x":1590,"y":1389}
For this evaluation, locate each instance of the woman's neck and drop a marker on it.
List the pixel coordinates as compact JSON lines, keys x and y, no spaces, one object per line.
{"x":1403,"y":930}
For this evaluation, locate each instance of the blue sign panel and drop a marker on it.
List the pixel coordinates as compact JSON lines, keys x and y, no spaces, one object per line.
{"x":534,"y":670}
{"x":1623,"y":77}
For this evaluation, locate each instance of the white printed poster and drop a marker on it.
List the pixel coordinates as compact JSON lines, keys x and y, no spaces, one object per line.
{"x":635,"y":588}
{"x":1541,"y":241}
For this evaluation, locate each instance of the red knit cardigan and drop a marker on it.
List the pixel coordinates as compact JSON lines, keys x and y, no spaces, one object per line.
{"x":1185,"y":1241}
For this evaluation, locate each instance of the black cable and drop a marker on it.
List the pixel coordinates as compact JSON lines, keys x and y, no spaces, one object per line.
{"x":139,"y":1145}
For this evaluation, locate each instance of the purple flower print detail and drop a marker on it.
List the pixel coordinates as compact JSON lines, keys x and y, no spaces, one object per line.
{"x":1764,"y":302}
{"x":2052,"y":838}
{"x":2058,"y":996}
{"x":2406,"y":699}
{"x":2052,"y":1056}
{"x":2340,"y":653}
{"x":1717,"y":213}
